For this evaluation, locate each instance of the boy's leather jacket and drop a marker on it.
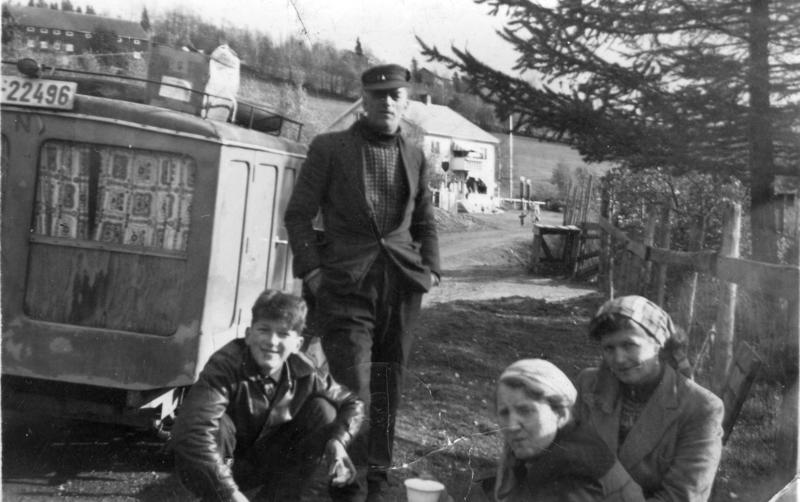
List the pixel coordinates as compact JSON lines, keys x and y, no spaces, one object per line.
{"x":231,"y":383}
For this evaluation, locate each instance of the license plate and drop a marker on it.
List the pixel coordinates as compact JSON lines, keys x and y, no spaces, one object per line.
{"x":38,"y":92}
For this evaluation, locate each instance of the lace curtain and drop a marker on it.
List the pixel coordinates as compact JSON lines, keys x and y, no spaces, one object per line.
{"x":117,"y":195}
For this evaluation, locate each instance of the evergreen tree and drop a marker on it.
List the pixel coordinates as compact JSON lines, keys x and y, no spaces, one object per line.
{"x":8,"y":25}
{"x":707,"y":85}
{"x":415,"y":76}
{"x":359,"y":50}
{"x":78,"y":9}
{"x":90,"y":10}
{"x":66,"y":6}
{"x":31,"y":4}
{"x":145,"y":20}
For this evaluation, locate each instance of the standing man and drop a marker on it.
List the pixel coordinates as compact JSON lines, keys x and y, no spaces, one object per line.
{"x":378,"y":254}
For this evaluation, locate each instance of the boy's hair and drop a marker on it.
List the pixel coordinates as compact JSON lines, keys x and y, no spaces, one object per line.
{"x":273,"y":305}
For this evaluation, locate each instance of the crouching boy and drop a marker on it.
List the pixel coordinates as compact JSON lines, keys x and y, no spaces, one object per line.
{"x":262,"y":415}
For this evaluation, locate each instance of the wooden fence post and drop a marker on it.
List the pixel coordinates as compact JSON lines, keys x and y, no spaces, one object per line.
{"x":666,"y":242}
{"x":726,"y":313}
{"x":645,"y":280}
{"x":788,"y":452}
{"x":695,"y":244}
{"x":606,"y":267}
{"x":587,"y":198}
{"x":568,"y":203}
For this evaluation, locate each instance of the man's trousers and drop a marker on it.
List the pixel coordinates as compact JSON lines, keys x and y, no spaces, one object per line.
{"x":367,"y":334}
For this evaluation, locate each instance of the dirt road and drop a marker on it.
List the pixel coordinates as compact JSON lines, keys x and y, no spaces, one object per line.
{"x":486,"y":264}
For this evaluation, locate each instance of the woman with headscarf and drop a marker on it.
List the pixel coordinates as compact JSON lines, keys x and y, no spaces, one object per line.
{"x":547,"y":456}
{"x":665,"y":429}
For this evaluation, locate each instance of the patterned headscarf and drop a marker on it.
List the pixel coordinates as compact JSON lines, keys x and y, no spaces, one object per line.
{"x":640,"y":310}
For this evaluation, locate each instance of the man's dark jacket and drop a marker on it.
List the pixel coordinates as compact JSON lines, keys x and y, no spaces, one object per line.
{"x":332,"y":179}
{"x":230,"y":383}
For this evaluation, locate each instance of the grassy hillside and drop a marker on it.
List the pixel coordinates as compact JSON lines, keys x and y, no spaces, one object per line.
{"x":316,"y":113}
{"x":536,"y":160}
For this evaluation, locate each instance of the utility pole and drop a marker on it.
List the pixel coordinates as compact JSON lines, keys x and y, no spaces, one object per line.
{"x":510,"y":158}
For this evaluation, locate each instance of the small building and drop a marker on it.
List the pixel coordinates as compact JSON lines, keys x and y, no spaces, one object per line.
{"x":431,"y":79}
{"x":461,"y":154}
{"x":66,"y":32}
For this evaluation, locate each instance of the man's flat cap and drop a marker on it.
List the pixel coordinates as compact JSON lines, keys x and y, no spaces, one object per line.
{"x":390,"y":76}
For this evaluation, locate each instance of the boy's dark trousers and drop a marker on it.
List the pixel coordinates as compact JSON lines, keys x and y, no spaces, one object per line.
{"x":281,"y":463}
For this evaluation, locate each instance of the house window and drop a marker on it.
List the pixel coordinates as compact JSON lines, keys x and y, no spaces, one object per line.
{"x":118,"y":195}
{"x":69,"y":33}
{"x":88,"y":35}
{"x":42,"y":30}
{"x":434,"y":147}
{"x":30,"y":29}
{"x":57,"y":45}
{"x":119,"y":40}
{"x":56,"y":32}
{"x":136,"y":42}
{"x":43,"y":44}
{"x":31,"y":43}
{"x":69,"y":47}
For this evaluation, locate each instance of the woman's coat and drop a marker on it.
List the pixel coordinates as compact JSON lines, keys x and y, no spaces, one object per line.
{"x":674,"y":447}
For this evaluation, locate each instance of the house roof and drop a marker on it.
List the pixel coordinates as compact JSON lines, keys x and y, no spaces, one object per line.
{"x":432,"y":75}
{"x":73,"y":21}
{"x":443,"y":121}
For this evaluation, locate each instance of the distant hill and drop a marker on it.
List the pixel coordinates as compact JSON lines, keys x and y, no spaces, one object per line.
{"x":315,"y":112}
{"x":537,"y":159}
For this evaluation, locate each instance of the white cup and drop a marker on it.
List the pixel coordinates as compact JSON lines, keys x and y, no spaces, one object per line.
{"x":423,"y":490}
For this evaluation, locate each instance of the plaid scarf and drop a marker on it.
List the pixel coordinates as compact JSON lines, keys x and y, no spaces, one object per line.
{"x":643,"y":312}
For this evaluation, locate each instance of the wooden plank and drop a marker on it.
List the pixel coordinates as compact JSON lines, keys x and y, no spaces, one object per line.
{"x":700,"y":261}
{"x":103,"y":289}
{"x":786,"y":185}
{"x":736,"y":387}
{"x":780,"y":280}
{"x":536,"y":255}
{"x":588,"y":272}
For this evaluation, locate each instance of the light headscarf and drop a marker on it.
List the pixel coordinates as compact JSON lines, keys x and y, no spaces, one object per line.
{"x":542,"y":377}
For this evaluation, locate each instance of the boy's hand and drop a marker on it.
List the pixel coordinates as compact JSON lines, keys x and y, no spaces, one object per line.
{"x":340,"y":468}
